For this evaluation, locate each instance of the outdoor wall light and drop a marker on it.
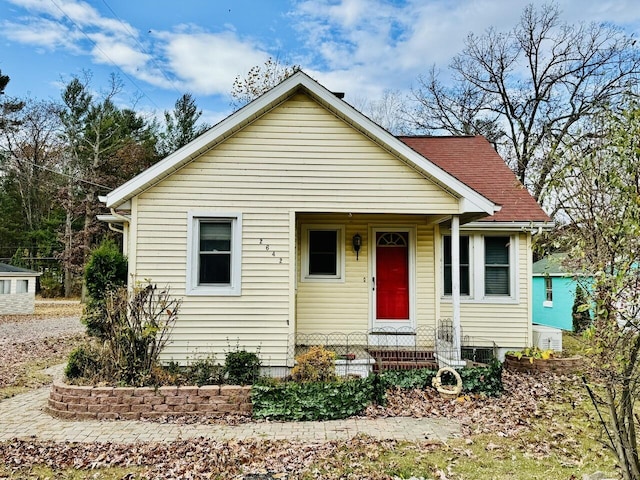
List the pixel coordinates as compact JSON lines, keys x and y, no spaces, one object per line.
{"x":357,"y":244}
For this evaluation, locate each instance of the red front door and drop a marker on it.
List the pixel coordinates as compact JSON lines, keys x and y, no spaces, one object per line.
{"x":392,"y":276}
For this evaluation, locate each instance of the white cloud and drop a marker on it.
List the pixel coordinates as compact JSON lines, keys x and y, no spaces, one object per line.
{"x":188,"y":58}
{"x":361,"y":47}
{"x":80,"y":13}
{"x":110,"y":50}
{"x":41,"y":32}
{"x":367,"y":46}
{"x":208,"y":63}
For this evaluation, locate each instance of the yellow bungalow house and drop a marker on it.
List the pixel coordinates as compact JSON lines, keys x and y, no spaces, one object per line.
{"x":298,"y":220}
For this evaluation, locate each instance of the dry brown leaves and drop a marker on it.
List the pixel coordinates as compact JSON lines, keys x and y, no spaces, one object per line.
{"x":15,"y":358}
{"x":47,"y":309}
{"x":505,"y":416}
{"x":202,"y":458}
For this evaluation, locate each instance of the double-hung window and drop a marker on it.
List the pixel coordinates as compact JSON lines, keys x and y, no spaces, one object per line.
{"x":214,"y":256}
{"x":497,"y":269}
{"x":5,"y":287}
{"x":464,"y":265}
{"x":548,"y":289}
{"x":487,"y":267}
{"x":322,"y":253}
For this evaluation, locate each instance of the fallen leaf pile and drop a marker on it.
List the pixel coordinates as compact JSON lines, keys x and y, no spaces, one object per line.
{"x":14,"y":357}
{"x":202,"y":458}
{"x":505,"y":415}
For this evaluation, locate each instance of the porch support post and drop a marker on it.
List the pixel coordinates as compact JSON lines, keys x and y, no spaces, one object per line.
{"x":455,"y":284}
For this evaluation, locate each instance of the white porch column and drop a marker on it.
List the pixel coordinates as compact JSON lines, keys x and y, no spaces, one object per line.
{"x":455,"y":285}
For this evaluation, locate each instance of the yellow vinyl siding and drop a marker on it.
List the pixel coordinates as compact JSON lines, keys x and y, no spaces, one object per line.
{"x":298,"y":157}
{"x":287,"y":159}
{"x":507,"y":323}
{"x":325,"y":307}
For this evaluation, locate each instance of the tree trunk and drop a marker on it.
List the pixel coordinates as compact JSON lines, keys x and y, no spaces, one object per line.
{"x":68,"y":244}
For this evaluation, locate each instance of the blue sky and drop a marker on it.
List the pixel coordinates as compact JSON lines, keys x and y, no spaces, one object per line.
{"x":161,"y":49}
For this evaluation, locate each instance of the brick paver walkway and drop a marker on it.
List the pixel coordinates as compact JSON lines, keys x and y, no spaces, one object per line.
{"x":23,"y":417}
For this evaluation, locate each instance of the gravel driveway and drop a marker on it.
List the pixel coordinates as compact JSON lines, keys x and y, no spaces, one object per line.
{"x":32,"y":342}
{"x":39,"y":329}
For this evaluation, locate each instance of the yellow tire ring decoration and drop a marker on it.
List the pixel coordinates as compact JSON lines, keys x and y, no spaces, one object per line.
{"x":447,"y":390}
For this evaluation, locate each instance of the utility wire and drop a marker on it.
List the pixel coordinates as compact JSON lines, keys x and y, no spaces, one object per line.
{"x":105,"y":54}
{"x":66,"y":175}
{"x":135,"y":39}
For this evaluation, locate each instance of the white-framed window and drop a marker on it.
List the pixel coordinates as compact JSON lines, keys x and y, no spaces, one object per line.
{"x":465,"y":265}
{"x":5,"y":287}
{"x":214,"y":253}
{"x":323,"y":253}
{"x":548,"y":292}
{"x":497,"y":266}
{"x":22,"y":286}
{"x":488,"y":269}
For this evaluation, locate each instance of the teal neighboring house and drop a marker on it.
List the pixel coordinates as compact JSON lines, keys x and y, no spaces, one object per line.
{"x":554,"y":292}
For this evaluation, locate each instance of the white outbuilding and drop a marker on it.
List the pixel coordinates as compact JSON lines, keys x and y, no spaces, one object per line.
{"x":17,"y":290}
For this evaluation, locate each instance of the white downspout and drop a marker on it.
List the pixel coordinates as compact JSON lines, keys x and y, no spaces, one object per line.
{"x":125,"y":230}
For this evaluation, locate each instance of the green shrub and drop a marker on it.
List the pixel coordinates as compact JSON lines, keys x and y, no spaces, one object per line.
{"x":105,"y":272}
{"x":417,"y":378}
{"x":242,"y":367}
{"x":203,"y":371}
{"x":313,"y":400}
{"x":315,"y":365}
{"x":84,"y":362}
{"x":485,"y":380}
{"x":50,"y":286}
{"x":581,"y":314}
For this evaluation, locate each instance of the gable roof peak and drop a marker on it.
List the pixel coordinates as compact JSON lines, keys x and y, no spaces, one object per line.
{"x":472,"y":201}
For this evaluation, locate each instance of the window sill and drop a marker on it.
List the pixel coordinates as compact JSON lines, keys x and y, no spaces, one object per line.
{"x":322,"y":279}
{"x":214,"y":292}
{"x":485,"y":300}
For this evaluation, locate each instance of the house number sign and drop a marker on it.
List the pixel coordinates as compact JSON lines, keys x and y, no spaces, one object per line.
{"x":267,"y":249}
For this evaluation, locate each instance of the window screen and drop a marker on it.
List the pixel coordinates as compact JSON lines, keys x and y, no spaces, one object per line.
{"x":496,"y":266}
{"x":215,"y":253}
{"x":464,"y":265}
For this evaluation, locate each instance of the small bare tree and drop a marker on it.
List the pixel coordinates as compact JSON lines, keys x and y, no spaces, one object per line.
{"x":600,"y":196}
{"x":138,"y":325}
{"x":258,"y":80}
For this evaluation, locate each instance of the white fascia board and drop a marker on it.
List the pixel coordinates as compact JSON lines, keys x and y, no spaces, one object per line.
{"x":473,"y":201}
{"x":532,"y":227}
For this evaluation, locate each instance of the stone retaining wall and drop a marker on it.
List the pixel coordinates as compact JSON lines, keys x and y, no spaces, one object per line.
{"x":97,"y":403}
{"x":565,"y":365}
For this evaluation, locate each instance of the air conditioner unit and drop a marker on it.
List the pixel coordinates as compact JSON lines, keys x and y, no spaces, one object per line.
{"x":547,"y":338}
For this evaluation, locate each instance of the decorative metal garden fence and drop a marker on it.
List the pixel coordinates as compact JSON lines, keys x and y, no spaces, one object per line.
{"x":362,"y":352}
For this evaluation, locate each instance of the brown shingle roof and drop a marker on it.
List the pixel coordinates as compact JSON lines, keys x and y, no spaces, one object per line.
{"x":474,"y":161}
